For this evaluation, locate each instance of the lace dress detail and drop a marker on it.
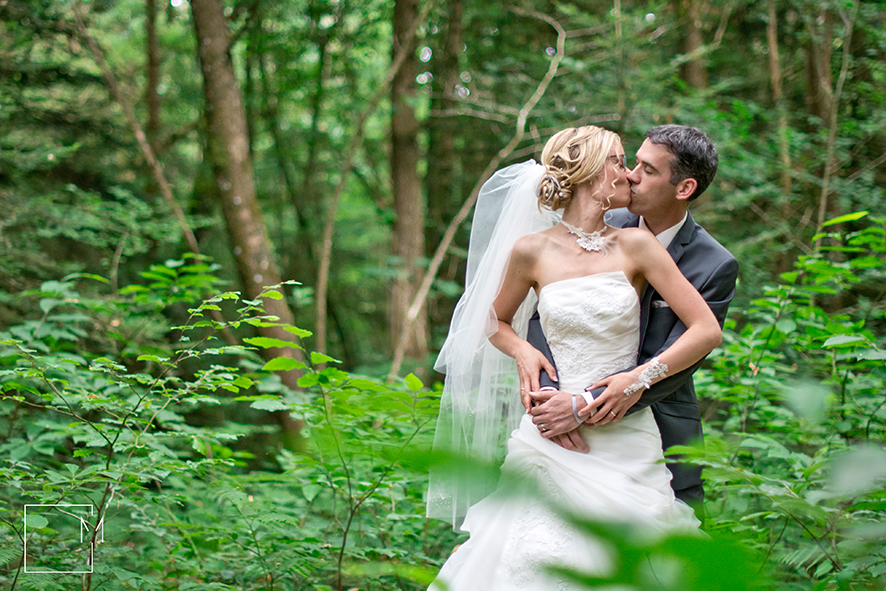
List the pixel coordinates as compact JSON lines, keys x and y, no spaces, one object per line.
{"x":592,"y":325}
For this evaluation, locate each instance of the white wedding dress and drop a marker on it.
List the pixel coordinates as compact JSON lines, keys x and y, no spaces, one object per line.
{"x":592,"y":326}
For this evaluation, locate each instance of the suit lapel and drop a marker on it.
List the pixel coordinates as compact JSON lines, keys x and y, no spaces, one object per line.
{"x":683,"y":237}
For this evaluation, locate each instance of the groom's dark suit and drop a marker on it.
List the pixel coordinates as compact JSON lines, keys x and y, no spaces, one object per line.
{"x":712,"y":270}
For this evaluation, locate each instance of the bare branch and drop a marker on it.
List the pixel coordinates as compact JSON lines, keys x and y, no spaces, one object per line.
{"x":129,"y":115}
{"x":871,"y":166}
{"x":834,"y":95}
{"x":705,"y":49}
{"x":774,"y":225}
{"x":469,"y":113}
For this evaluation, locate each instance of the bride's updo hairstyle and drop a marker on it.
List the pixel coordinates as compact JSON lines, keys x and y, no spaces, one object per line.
{"x":572,"y":157}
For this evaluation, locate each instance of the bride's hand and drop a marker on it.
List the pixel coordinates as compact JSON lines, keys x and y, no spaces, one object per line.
{"x":612,"y":404}
{"x":530,"y":362}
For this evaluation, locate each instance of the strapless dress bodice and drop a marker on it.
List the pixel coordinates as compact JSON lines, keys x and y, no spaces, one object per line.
{"x":592,"y":324}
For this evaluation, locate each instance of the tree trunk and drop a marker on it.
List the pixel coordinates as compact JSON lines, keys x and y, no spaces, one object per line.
{"x":408,"y":239}
{"x":775,"y":76}
{"x":818,"y":66}
{"x":152,"y":97}
{"x":444,"y":196}
{"x":228,"y":149}
{"x":689,"y":14}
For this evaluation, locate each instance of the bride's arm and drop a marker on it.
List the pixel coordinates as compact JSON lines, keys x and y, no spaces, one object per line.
{"x":651,"y":261}
{"x":519,"y":279}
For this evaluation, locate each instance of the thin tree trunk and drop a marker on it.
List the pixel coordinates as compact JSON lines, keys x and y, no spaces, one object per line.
{"x":152,"y":96}
{"x":693,"y":70}
{"x":322,"y":38}
{"x":442,"y":181}
{"x":775,"y":76}
{"x":818,"y":65}
{"x":249,"y":93}
{"x":408,"y":238}
{"x":621,"y":82}
{"x":270,"y":115}
{"x":833,"y":102}
{"x":229,"y":154}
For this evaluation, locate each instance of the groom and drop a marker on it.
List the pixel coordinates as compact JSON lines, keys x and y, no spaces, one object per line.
{"x":675,"y":164}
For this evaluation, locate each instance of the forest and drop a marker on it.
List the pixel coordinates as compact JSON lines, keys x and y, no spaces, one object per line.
{"x":233,"y":233}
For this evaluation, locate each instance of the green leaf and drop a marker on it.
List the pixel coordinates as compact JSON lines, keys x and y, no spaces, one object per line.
{"x":283,"y":364}
{"x":872,"y":354}
{"x":311,"y":490}
{"x":272,"y":294}
{"x":860,"y":469}
{"x":849,"y":217}
{"x":807,"y":399}
{"x":786,"y":326}
{"x":267,"y":343}
{"x":413,"y":383}
{"x":269,"y":403}
{"x":36,"y":521}
{"x":47,"y":304}
{"x":243,"y":382}
{"x":153,"y":358}
{"x":843,"y":340}
{"x":199,"y":445}
{"x":317,"y":358}
{"x":299,"y":332}
{"x":308,"y":380}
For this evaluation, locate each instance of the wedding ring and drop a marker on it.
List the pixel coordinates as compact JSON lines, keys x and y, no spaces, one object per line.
{"x":613,"y":414}
{"x":543,"y":428}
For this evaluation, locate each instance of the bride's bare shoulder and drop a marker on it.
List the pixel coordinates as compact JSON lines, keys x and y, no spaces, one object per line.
{"x":635,"y":238}
{"x":531,"y":247}
{"x":534,"y":243}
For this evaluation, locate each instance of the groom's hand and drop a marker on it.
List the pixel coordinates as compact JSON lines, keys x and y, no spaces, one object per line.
{"x":571,"y":441}
{"x":612,"y":404}
{"x":530,"y":363}
{"x":552,"y":415}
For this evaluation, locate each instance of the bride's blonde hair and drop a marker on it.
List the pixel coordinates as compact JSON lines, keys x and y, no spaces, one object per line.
{"x":571,"y":157}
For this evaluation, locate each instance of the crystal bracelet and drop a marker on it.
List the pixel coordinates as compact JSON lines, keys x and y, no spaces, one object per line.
{"x":653,"y":371}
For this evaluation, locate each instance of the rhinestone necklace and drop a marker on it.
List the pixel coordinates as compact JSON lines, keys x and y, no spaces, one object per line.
{"x":590,"y":241}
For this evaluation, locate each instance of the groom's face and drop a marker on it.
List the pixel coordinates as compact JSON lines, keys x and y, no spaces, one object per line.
{"x":651,"y":190}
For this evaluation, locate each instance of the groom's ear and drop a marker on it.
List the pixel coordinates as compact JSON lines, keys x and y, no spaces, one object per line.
{"x":686,"y":188}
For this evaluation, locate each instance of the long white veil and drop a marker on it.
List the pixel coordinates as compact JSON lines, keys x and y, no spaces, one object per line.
{"x":481,"y":399}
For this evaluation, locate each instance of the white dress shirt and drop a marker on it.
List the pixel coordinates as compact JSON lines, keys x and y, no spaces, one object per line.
{"x":666,"y":236}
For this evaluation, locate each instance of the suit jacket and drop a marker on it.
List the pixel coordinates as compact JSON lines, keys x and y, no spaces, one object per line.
{"x":712,"y":270}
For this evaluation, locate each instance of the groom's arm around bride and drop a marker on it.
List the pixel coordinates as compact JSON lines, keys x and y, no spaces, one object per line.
{"x":674,"y":165}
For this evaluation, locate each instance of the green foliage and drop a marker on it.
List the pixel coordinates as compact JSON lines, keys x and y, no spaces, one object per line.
{"x":107,"y":406}
{"x":797,"y":419}
{"x":97,"y":418}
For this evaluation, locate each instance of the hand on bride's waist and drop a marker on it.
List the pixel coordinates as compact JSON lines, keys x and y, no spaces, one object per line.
{"x":530,"y":363}
{"x":612,"y":404}
{"x":553,"y":413}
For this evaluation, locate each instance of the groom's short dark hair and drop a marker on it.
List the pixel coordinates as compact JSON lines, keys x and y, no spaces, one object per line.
{"x":695,"y":155}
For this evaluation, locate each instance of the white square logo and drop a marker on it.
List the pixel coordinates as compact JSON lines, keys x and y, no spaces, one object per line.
{"x":59,"y":539}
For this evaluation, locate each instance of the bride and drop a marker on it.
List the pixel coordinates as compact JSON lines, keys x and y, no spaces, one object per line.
{"x":586,"y":278}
